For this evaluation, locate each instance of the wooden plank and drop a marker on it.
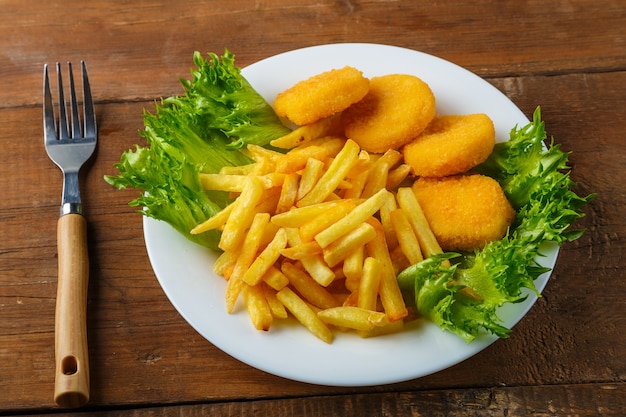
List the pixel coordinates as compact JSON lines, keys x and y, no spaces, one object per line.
{"x":139,"y":50}
{"x":586,"y":400}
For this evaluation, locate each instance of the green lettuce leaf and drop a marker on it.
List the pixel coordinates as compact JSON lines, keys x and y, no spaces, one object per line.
{"x":198,"y":132}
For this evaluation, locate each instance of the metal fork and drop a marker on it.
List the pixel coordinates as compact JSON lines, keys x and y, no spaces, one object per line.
{"x":69,"y":146}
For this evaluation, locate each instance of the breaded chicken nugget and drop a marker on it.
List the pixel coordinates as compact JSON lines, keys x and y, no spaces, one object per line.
{"x":451,"y":145}
{"x":321,"y":96}
{"x":395,"y":111}
{"x":464,"y":212}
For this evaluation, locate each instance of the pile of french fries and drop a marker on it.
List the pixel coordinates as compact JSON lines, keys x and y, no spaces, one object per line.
{"x":319,"y":232}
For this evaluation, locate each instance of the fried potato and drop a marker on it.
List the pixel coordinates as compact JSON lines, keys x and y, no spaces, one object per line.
{"x":353,"y":318}
{"x":395,"y":111}
{"x":451,"y":145}
{"x":258,"y":307}
{"x":304,"y":134}
{"x":304,"y":314}
{"x":307,"y":287}
{"x":464,"y":212}
{"x":322,"y":95}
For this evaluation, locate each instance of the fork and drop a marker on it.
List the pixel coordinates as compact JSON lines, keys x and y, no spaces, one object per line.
{"x":69,"y":146}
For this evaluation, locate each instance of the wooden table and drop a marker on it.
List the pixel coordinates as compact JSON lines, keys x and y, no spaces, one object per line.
{"x":566,"y":357}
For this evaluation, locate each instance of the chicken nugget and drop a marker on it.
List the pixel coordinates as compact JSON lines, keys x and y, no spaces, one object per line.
{"x":451,"y":145}
{"x":464,"y":211}
{"x":395,"y":111}
{"x":322,"y":95}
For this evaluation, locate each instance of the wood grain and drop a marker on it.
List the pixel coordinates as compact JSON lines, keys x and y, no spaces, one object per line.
{"x":566,"y":357}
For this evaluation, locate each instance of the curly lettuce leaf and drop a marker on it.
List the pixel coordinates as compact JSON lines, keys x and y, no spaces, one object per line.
{"x":464,"y":297}
{"x":198,"y":132}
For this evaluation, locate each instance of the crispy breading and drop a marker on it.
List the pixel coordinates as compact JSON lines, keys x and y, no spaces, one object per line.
{"x":464,"y":211}
{"x":451,"y":145}
{"x":321,"y":95}
{"x":395,"y":111}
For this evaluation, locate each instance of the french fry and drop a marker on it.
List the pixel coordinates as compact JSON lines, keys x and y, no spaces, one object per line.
{"x":251,"y":245}
{"x":296,"y":217}
{"x":353,"y":317}
{"x":302,"y":251}
{"x":385,"y":219}
{"x":259,"y":153}
{"x":406,"y":236}
{"x":258,"y":307}
{"x":352,"y":220}
{"x":411,"y":207}
{"x":389,"y":291}
{"x":314,"y":264}
{"x":307,"y":133}
{"x":307,"y":287}
{"x":276,"y":307}
{"x":224,"y":261}
{"x":275,"y":279}
{"x":397,"y":175}
{"x":304,"y":314}
{"x":216,"y":222}
{"x":323,"y":220}
{"x":388,"y":328}
{"x":241,"y":215}
{"x":310,"y":175}
{"x":234,"y":286}
{"x":353,"y":268}
{"x":266,"y":259}
{"x":288,"y":193}
{"x":342,"y":247}
{"x":379,"y":171}
{"x":333,"y":176}
{"x":368,"y":287}
{"x":296,"y":160}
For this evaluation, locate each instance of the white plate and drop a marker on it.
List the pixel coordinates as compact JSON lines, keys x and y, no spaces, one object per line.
{"x":184,"y":269}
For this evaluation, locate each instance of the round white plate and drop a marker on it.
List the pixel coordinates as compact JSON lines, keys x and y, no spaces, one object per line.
{"x":184,"y":269}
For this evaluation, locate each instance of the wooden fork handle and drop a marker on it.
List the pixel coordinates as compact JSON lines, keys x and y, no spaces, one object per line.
{"x":71,"y":388}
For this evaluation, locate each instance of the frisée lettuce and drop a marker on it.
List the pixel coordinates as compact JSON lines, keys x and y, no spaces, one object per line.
{"x":464,"y":297}
{"x":198,"y":132}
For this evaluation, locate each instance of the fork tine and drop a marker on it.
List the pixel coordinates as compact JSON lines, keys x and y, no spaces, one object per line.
{"x":63,"y":123}
{"x":49,"y":121}
{"x":76,"y":132}
{"x":89,"y":114}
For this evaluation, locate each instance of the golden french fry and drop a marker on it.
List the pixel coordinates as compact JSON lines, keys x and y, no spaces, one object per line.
{"x":379,"y":171}
{"x":388,"y":328}
{"x":307,"y":287}
{"x":397,"y":175}
{"x":251,"y":245}
{"x":310,"y":175}
{"x":368,"y":287}
{"x":259,"y":153}
{"x":385,"y":219}
{"x":302,"y":251}
{"x":241,"y":215}
{"x":353,"y":317}
{"x":304,"y":314}
{"x":323,"y":220}
{"x":352,"y":220}
{"x":216,"y":222}
{"x":276,"y":307}
{"x":288,"y":194}
{"x":307,"y":133}
{"x":266,"y":259}
{"x":335,"y":173}
{"x":314,"y":264}
{"x":221,"y":182}
{"x":238,"y":170}
{"x":275,"y":278}
{"x":234,"y":286}
{"x":411,"y":207}
{"x":296,"y":160}
{"x":353,"y":268}
{"x":296,"y":217}
{"x":406,"y":236}
{"x":224,"y":261}
{"x":342,"y":247}
{"x":389,"y":291}
{"x":257,"y":306}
